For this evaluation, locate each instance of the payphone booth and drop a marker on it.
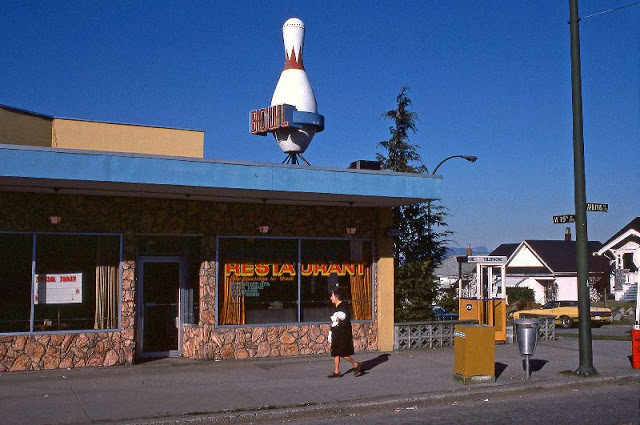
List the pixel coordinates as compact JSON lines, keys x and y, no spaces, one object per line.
{"x":486,"y":302}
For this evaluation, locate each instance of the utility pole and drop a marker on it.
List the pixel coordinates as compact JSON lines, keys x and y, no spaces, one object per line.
{"x":582,"y":253}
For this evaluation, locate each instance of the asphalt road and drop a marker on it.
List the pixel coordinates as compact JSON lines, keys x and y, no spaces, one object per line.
{"x":597,"y":405}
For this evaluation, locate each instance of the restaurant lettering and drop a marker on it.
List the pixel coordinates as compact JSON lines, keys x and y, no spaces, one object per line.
{"x":248,"y":289}
{"x":289,"y":270}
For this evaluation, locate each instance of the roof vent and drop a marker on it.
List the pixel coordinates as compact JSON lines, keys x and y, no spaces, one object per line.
{"x":363,"y":164}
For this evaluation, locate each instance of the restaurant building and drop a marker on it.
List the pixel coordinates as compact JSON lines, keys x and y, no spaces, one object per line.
{"x":121,"y":242}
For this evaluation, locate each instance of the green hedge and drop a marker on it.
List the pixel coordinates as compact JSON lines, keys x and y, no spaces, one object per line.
{"x":520,"y":294}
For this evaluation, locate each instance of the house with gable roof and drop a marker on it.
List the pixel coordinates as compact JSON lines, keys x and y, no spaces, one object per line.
{"x":549,"y":267}
{"x":451,"y":271}
{"x":619,"y":249}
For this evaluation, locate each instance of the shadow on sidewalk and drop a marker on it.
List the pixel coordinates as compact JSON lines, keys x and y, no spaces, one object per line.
{"x":367,"y":365}
{"x":499,"y":368}
{"x":535,"y":365}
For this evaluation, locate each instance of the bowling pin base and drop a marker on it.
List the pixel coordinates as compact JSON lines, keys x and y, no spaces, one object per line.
{"x":292,"y":158}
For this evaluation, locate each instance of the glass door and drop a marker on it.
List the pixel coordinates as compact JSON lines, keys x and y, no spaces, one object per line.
{"x":159,"y":319}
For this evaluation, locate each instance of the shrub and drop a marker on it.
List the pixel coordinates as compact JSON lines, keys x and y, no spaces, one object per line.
{"x":520,"y":299}
{"x":520,"y":294}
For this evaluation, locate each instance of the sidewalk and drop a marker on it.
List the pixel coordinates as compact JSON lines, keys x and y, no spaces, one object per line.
{"x":194,"y":391}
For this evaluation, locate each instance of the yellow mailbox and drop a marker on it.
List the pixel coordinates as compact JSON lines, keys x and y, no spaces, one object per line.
{"x":474,"y":353}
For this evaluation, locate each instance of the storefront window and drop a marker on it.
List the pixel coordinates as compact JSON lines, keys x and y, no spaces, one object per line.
{"x":268,"y":280}
{"x":75,"y":285}
{"x":76,"y":282}
{"x":327,"y":264}
{"x":258,"y":281}
{"x":16,"y":251}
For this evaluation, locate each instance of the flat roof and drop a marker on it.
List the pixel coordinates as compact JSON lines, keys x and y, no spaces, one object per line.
{"x":51,"y":117}
{"x":66,"y":171}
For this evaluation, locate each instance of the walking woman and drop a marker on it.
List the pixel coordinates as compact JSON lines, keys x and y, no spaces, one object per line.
{"x":340,"y":335}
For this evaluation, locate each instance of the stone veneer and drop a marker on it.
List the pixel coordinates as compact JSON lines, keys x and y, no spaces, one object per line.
{"x":273,"y":341}
{"x":131,"y":216}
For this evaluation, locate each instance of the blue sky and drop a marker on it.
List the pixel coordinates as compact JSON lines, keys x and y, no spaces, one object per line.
{"x":489,"y":78}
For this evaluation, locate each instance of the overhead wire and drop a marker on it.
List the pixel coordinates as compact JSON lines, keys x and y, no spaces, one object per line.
{"x":610,"y":10}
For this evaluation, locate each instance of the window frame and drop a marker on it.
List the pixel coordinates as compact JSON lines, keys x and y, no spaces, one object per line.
{"x":299,"y":240}
{"x":34,"y":242}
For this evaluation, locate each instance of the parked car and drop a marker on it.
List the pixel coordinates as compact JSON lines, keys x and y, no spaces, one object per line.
{"x":566,"y":313}
{"x":440,"y":313}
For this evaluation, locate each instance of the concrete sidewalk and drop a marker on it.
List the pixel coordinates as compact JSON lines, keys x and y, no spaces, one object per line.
{"x":183,"y":390}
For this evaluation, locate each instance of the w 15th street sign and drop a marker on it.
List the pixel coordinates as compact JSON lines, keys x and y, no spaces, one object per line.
{"x":571,"y":218}
{"x":566,"y":218}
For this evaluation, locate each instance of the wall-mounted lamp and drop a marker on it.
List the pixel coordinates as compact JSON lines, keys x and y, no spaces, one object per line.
{"x":264,"y":228}
{"x":351,"y":230}
{"x":55,"y":219}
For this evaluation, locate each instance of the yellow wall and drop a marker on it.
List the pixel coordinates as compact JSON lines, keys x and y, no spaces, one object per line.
{"x":385,"y":287}
{"x":18,"y":128}
{"x":91,"y":135}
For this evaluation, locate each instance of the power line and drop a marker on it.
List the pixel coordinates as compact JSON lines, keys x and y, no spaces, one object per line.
{"x":611,"y":10}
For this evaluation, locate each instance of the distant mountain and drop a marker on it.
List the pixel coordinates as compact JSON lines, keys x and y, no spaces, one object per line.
{"x":459,"y":250}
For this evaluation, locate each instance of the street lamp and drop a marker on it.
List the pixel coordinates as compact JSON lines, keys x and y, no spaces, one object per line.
{"x":470,"y":158}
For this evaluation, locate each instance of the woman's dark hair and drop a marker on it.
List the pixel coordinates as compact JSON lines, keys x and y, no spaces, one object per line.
{"x":336,"y":291}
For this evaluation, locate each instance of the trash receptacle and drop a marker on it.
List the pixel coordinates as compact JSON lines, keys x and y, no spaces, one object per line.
{"x":474,"y":353}
{"x":527,"y":338}
{"x":527,"y":335}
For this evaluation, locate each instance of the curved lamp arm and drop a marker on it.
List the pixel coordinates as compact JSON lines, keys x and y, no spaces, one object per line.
{"x":470,"y":158}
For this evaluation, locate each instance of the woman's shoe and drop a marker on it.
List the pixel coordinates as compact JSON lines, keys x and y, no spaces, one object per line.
{"x":357,"y":370}
{"x":334,"y":375}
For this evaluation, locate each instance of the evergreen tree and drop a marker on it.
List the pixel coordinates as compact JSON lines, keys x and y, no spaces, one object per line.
{"x":415,"y":289}
{"x":419,"y":241}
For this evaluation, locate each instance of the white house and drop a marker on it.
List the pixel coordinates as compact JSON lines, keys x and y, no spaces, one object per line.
{"x":548,"y":267}
{"x":619,"y":249}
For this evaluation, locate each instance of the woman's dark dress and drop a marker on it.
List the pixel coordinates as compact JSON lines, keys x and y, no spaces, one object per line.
{"x":341,"y":335}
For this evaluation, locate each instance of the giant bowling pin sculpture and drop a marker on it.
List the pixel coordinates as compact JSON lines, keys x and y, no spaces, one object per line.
{"x":293,"y":115}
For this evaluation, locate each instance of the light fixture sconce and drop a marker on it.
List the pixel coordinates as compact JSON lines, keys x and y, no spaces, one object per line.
{"x":351,"y":230}
{"x":55,"y":219}
{"x":264,"y":228}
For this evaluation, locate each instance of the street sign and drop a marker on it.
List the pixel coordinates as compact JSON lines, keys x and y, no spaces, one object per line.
{"x":594,"y":206}
{"x":566,"y":218}
{"x":571,"y":218}
{"x":497,"y":259}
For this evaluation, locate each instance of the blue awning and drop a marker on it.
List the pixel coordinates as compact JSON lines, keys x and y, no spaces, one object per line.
{"x":38,"y":169}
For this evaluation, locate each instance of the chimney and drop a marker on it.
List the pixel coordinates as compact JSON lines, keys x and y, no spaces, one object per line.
{"x":468,"y":251}
{"x":567,"y":233}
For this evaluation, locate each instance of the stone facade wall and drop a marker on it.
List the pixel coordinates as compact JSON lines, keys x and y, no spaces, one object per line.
{"x":134,"y":216}
{"x":273,"y":341}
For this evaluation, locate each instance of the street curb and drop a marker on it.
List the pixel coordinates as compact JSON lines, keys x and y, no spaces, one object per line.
{"x":276,"y":413}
